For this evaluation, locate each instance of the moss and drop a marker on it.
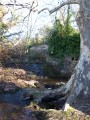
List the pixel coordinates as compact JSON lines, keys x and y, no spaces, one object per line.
{"x":60,"y":115}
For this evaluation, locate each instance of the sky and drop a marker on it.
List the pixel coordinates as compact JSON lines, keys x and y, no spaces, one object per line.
{"x":36,"y":21}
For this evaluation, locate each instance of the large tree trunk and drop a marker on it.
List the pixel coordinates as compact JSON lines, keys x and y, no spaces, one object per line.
{"x":79,"y":83}
{"x":81,"y":79}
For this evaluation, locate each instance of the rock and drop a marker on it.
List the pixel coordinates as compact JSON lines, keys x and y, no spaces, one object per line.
{"x":33,"y":76}
{"x":38,"y":53}
{"x":37,"y":85}
{"x":30,"y":83}
{"x":19,"y":73}
{"x":60,"y":84}
{"x":64,"y":67}
{"x":41,"y":48}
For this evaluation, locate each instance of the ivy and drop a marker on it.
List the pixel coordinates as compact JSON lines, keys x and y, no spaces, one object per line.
{"x":63,"y":44}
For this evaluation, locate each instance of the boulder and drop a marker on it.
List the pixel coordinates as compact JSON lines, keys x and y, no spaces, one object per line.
{"x":19,"y":72}
{"x":25,"y":83}
{"x":39,"y":49}
{"x":64,"y":66}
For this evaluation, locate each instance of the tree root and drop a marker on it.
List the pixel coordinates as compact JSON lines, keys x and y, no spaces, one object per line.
{"x":56,"y":99}
{"x":53,"y":101}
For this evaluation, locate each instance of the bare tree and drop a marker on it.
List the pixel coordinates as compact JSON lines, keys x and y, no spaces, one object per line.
{"x":17,"y":16}
{"x":79,"y":83}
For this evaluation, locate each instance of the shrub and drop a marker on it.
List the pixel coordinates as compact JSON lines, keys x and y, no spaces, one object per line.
{"x":63,"y":44}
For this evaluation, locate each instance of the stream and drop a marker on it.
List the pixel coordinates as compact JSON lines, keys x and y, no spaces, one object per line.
{"x":12,"y":107}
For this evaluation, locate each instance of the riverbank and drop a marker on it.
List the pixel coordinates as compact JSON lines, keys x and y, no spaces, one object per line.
{"x":24,"y":100}
{"x":24,"y":84}
{"x":21,"y":86}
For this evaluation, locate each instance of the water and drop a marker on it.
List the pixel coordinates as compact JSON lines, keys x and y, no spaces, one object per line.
{"x":36,"y":68}
{"x":11,"y":105}
{"x":14,"y":98}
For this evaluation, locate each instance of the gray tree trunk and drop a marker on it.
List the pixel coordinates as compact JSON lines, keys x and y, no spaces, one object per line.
{"x":79,"y":83}
{"x":81,"y":79}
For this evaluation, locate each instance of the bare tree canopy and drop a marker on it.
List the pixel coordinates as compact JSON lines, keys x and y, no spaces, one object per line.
{"x":61,"y":5}
{"x":23,"y":5}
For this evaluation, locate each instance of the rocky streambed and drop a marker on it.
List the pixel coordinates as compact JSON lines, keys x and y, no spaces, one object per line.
{"x":22,"y":86}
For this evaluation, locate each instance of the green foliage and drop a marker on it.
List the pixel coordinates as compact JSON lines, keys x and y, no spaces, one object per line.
{"x":63,"y":43}
{"x":3,"y":28}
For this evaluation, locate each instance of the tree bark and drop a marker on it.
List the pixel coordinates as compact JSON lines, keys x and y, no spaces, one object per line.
{"x":79,"y":83}
{"x":81,"y":80}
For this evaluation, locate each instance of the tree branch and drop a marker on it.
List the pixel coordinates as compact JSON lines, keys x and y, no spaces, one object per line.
{"x":16,"y":4}
{"x":61,"y":5}
{"x":24,"y":5}
{"x":13,"y":34}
